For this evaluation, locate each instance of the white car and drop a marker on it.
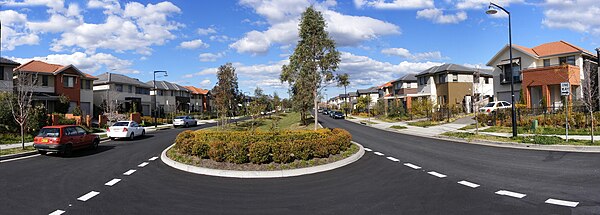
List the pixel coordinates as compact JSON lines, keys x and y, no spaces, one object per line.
{"x":494,"y":106}
{"x":125,"y":129}
{"x":184,"y":121}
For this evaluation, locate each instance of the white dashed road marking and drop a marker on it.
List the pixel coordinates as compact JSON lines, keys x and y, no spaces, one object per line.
{"x":412,"y":166}
{"x":511,"y":194}
{"x":368,"y":149}
{"x":131,"y":171}
{"x":143,"y":164}
{"x":57,"y":212}
{"x":88,"y":196}
{"x":153,"y":158}
{"x":437,"y":174}
{"x":469,"y":184}
{"x":378,"y":153}
{"x":393,"y":159}
{"x":112,"y":182}
{"x":562,"y":202}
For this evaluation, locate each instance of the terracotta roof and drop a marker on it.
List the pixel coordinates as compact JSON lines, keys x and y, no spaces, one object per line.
{"x":195,"y":90}
{"x":388,"y":84}
{"x":552,"y":48}
{"x":526,"y":49}
{"x":43,"y":67}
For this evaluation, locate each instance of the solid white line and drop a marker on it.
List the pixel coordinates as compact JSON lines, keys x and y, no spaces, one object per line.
{"x":88,"y":196}
{"x":510,"y":193}
{"x":153,"y":158}
{"x":562,"y":202}
{"x":368,"y":149}
{"x":131,"y":171}
{"x":112,"y":182}
{"x":412,"y":166}
{"x":437,"y":174}
{"x":57,"y":212}
{"x":469,"y":184}
{"x":15,"y":159}
{"x":393,"y":159}
{"x":378,"y":153}
{"x":143,"y":164}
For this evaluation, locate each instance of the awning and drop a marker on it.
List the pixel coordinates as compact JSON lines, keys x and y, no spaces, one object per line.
{"x":506,"y":62}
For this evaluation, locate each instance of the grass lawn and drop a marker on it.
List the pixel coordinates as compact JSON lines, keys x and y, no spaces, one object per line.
{"x":541,"y":140}
{"x":425,"y":123}
{"x":16,"y":150}
{"x":398,"y":127}
{"x":282,"y":121}
{"x":368,"y":122}
{"x":471,"y":126}
{"x":540,"y":130}
{"x":14,"y":138}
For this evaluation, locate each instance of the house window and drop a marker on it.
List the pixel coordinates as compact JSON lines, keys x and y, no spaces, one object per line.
{"x":86,"y":84}
{"x":130,"y":88}
{"x":516,"y":73}
{"x":119,"y":88}
{"x":172,"y":94}
{"x":44,"y":80}
{"x":546,"y":62}
{"x":442,"y":78}
{"x":1,"y":73}
{"x":455,"y":77}
{"x":487,"y":80}
{"x":68,"y":81}
{"x":567,"y":60}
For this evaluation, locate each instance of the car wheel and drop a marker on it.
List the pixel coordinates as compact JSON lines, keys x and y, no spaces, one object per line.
{"x":143,"y":133}
{"x":95,"y":144}
{"x":68,"y":151}
{"x":185,"y":125}
{"x":112,"y":138}
{"x":42,"y":152}
{"x":131,"y":136}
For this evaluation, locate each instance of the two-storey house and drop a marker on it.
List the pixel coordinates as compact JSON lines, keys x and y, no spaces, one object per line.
{"x":170,"y":97}
{"x":538,"y":72}
{"x":6,"y":74}
{"x":196,"y":98}
{"x":372,"y":92}
{"x":404,"y":88}
{"x":128,"y":94}
{"x":451,"y":85}
{"x":54,"y":80}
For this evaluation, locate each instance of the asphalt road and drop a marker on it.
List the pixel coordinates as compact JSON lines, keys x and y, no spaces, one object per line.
{"x":373,"y":185}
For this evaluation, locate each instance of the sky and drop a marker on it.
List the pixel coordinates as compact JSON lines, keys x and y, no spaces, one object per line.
{"x":379,"y":40}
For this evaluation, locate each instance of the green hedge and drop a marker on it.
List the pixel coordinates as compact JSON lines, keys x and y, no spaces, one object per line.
{"x":261,"y":147}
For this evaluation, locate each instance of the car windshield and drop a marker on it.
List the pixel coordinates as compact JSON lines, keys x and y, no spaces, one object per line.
{"x":180,"y":117}
{"x":121,"y":124}
{"x":490,"y":104}
{"x":49,"y":132}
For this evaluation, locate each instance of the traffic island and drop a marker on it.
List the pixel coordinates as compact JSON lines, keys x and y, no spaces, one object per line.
{"x":262,"y":154}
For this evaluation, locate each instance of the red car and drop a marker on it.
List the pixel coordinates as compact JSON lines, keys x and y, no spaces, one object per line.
{"x":64,"y":139}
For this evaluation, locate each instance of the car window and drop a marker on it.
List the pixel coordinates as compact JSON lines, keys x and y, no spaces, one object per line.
{"x":121,"y":124}
{"x":134,"y":124}
{"x":500,"y":104}
{"x":506,"y":104}
{"x":491,"y":104}
{"x":180,"y":117}
{"x":80,"y":130}
{"x":70,"y":131}
{"x":49,"y":132}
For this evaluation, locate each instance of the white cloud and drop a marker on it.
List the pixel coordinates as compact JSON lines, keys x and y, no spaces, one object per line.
{"x":437,"y":16}
{"x":205,"y":83}
{"x":481,"y":4}
{"x":577,"y":15}
{"x":404,"y":53}
{"x":87,"y":63}
{"x":221,"y":38}
{"x":14,"y":31}
{"x":206,"y":31}
{"x":283,"y":17}
{"x":394,"y":4}
{"x":54,"y":5}
{"x":193,"y":44}
{"x":211,"y":57}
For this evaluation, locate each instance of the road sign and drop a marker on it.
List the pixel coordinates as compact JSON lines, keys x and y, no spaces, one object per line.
{"x":565,"y":88}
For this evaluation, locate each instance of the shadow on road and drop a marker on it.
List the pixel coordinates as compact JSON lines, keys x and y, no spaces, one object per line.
{"x":83,"y":152}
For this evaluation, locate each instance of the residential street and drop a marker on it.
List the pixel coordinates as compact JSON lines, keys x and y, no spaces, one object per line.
{"x":373,"y":185}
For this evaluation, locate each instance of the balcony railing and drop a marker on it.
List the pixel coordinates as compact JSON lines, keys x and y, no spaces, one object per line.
{"x":506,"y":80}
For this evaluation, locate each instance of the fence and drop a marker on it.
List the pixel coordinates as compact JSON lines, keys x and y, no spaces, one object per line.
{"x":579,"y":117}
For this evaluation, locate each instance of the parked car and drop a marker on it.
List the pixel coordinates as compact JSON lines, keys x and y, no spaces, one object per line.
{"x":185,"y":121}
{"x":64,"y":139}
{"x":326,"y":112}
{"x":125,"y":129}
{"x":320,"y":110}
{"x":337,"y":115}
{"x":492,"y":107}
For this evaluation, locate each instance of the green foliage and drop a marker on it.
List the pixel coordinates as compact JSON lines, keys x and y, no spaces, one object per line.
{"x":262,"y":146}
{"x":7,"y":121}
{"x":398,"y":127}
{"x":362,"y":103}
{"x":226,"y":92}
{"x":62,"y":106}
{"x":77,"y":111}
{"x":396,"y":109}
{"x":37,"y":119}
{"x":422,"y":107}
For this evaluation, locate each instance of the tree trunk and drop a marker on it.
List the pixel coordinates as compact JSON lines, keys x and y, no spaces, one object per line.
{"x":592,"y":134}
{"x":23,"y":135}
{"x":346,"y":100}
{"x":315,"y":110}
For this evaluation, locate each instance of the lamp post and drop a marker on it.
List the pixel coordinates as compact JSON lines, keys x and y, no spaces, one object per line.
{"x":156,"y":96}
{"x":491,"y":11}
{"x":598,"y":72}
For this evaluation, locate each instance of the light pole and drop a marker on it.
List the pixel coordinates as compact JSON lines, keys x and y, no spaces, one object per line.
{"x":156,"y":96}
{"x":491,"y":11}
{"x":598,"y":72}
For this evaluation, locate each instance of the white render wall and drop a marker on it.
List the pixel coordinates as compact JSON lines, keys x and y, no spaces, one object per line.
{"x":526,"y":62}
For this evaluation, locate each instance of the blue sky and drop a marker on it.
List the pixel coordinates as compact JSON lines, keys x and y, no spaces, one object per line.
{"x":379,"y":40}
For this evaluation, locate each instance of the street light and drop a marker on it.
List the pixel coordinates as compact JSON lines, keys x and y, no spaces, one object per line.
{"x":492,"y":10}
{"x":598,"y":71}
{"x":155,"y":95}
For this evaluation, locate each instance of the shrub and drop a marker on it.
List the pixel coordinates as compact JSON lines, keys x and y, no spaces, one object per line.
{"x":200,"y":149}
{"x":282,"y":152}
{"x":259,"y":152}
{"x":217,"y":151}
{"x":237,"y":152}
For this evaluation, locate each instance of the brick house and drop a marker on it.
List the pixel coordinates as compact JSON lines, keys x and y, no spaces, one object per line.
{"x":54,"y":80}
{"x":196,"y":98}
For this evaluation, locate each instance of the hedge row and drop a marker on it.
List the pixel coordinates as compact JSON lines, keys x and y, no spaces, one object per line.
{"x":261,"y":147}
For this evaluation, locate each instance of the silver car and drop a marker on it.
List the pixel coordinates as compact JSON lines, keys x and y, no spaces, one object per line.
{"x":185,"y":121}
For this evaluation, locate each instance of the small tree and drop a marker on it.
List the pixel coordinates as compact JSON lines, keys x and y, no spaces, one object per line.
{"x":77,"y":111}
{"x":226,"y":92}
{"x":589,"y":93}
{"x":343,"y":81}
{"x":21,"y":101}
{"x":62,"y":106}
{"x":276,"y":101}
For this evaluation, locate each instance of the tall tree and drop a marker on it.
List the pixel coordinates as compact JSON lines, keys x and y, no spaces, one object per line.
{"x":343,"y":81}
{"x":276,"y":101}
{"x":313,"y":62}
{"x":226,"y":92}
{"x":21,"y":101}
{"x":590,"y":93}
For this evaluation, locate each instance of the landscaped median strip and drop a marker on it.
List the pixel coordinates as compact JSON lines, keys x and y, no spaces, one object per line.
{"x":510,"y":193}
{"x":88,"y":196}
{"x":562,"y":202}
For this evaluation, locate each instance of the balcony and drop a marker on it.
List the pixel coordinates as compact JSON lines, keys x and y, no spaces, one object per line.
{"x":506,"y":80}
{"x":551,"y":75}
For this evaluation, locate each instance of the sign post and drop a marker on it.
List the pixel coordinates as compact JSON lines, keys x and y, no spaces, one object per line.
{"x":565,"y":90}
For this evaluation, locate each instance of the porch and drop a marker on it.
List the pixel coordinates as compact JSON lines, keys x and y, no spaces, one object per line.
{"x":541,"y":86}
